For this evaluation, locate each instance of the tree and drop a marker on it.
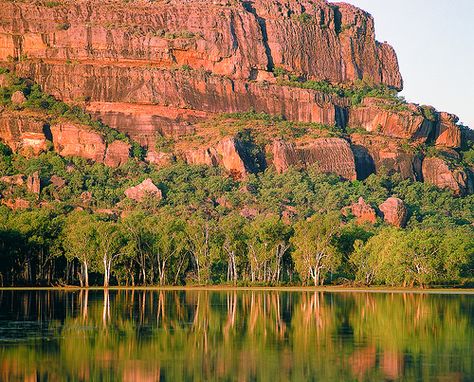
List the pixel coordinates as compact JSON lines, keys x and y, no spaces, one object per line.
{"x":168,"y":247}
{"x":201,"y":236}
{"x":315,"y":252}
{"x":137,"y":249}
{"x":108,"y":242}
{"x":233,"y":243}
{"x":268,"y":241}
{"x":79,"y":241}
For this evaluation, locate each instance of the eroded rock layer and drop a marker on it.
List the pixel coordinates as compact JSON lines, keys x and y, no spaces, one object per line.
{"x":239,"y":39}
{"x":162,"y":69}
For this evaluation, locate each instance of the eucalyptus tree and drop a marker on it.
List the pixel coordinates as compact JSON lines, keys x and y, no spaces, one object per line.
{"x":79,"y":241}
{"x":108,"y":242}
{"x":315,"y":253}
{"x":268,"y":241}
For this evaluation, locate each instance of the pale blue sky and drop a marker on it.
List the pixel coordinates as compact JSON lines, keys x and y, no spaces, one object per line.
{"x":434,"y":41}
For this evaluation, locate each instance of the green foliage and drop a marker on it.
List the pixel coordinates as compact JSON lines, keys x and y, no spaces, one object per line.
{"x":51,"y":4}
{"x":316,"y":254}
{"x":356,"y":92}
{"x":303,"y":18}
{"x":198,"y":233}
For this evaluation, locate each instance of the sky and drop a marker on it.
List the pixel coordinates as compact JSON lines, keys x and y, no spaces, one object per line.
{"x":434,"y":41}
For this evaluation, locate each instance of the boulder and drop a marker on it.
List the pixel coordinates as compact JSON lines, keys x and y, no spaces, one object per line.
{"x":117,"y":154}
{"x":5,"y":80}
{"x":18,"y":98}
{"x":16,"y":180}
{"x":394,"y":212}
{"x":16,"y":204}
{"x":363,"y":212}
{"x":145,"y":188}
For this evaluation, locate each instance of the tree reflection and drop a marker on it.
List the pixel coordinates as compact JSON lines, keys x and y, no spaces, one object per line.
{"x":255,"y":335}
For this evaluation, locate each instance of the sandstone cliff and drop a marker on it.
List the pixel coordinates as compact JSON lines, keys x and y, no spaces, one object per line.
{"x":166,"y":69}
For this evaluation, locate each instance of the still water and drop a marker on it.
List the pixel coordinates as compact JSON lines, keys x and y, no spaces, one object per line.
{"x":235,"y":336}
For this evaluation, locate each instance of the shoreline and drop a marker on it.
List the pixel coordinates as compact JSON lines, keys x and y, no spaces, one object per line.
{"x":219,"y":288}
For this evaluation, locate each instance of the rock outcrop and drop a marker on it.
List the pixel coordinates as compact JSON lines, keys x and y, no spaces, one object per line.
{"x":437,"y":171}
{"x":74,"y":140}
{"x":377,"y":116}
{"x":448,"y":133}
{"x":229,"y":153}
{"x":406,"y":121}
{"x":117,"y":154}
{"x":142,"y":190}
{"x":23,"y":133}
{"x":328,"y":155}
{"x":18,"y":98}
{"x":159,"y":159}
{"x":394,"y":212}
{"x":33,"y":183}
{"x":378,"y":154}
{"x":363,"y":212}
{"x":16,"y":180}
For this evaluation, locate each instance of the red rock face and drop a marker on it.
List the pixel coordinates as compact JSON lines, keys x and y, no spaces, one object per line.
{"x":144,"y":189}
{"x":33,"y":183}
{"x":228,"y":153}
{"x":143,"y":102}
{"x":131,"y":67}
{"x":117,"y":154}
{"x":377,"y":154}
{"x":75,"y":140}
{"x":330,"y":155}
{"x":23,"y":133}
{"x":437,"y":172}
{"x":448,"y":134}
{"x":159,"y":158}
{"x":394,"y":212}
{"x":364,"y":212}
{"x":237,"y":39}
{"x":375,"y":116}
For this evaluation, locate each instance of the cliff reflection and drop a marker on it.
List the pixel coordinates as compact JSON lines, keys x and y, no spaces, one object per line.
{"x":134,"y":335}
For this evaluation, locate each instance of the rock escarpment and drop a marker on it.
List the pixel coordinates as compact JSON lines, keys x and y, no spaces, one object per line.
{"x":140,"y":65}
{"x":154,"y":69}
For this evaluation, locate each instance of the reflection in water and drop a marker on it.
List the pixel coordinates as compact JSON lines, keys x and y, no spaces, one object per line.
{"x":135,"y":335}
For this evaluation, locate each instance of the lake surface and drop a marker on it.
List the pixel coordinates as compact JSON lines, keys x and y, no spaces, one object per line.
{"x":235,"y":336}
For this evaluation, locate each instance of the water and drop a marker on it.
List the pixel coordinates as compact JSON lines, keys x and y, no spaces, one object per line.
{"x":235,"y":336}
